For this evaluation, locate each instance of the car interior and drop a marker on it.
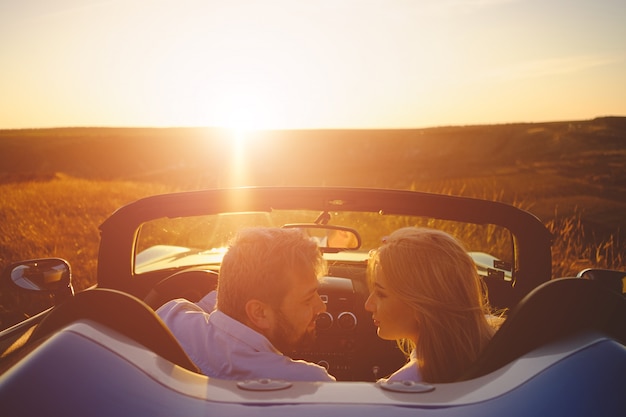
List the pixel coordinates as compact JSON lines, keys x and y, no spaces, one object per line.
{"x":555,"y":310}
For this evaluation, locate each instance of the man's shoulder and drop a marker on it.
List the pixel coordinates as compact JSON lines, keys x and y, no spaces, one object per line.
{"x":208,"y":302}
{"x":299,"y":370}
{"x":177,"y":304}
{"x":181,"y":314}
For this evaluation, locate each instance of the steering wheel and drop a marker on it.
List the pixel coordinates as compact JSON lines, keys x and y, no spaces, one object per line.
{"x":191,"y":284}
{"x":122,"y":313}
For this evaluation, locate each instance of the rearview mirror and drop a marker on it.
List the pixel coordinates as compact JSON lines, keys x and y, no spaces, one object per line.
{"x":330,"y":238}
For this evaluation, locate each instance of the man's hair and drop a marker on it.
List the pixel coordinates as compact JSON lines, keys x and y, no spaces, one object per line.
{"x":262,"y":263}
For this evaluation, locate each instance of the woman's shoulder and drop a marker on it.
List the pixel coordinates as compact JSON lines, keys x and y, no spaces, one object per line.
{"x":409,"y":372}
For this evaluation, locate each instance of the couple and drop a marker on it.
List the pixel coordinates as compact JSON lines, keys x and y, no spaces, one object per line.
{"x":425,"y":293}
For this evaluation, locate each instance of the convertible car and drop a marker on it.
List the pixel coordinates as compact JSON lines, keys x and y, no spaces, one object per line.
{"x":103,"y":351}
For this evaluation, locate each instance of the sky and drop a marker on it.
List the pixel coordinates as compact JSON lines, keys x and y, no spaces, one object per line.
{"x":309,"y":64}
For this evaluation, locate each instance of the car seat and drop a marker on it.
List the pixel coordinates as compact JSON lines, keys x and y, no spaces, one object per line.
{"x":555,"y":309}
{"x":122,"y":313}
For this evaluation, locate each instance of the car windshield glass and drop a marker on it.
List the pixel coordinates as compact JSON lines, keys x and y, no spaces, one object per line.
{"x":202,"y":240}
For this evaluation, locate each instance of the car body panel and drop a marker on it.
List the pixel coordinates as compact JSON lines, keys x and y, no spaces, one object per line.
{"x":113,"y":375}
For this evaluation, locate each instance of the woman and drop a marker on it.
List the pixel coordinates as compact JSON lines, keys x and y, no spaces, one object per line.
{"x":427,"y":295}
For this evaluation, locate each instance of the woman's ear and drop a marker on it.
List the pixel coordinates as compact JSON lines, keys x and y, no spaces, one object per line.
{"x":259,"y":314}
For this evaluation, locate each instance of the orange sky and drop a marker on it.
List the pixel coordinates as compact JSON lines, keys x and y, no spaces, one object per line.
{"x":309,"y":64}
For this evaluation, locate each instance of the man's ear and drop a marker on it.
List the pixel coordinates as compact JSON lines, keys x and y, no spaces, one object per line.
{"x":259,"y":314}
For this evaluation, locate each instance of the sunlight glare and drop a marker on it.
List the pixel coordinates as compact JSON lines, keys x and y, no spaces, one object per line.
{"x":239,"y":140}
{"x":247,"y":110}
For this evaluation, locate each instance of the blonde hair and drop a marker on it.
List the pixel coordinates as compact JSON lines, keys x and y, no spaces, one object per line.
{"x":431,"y":271}
{"x":261,"y":263}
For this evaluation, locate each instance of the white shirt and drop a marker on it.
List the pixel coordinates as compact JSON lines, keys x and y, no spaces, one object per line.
{"x":409,"y":372}
{"x":223,"y":347}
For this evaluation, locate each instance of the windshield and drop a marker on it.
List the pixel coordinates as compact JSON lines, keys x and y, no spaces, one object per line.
{"x":202,"y":240}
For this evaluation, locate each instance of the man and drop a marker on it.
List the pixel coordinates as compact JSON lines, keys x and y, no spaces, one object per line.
{"x":266,"y":304}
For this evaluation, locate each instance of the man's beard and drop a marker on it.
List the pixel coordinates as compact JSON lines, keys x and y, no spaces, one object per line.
{"x":287,"y":338}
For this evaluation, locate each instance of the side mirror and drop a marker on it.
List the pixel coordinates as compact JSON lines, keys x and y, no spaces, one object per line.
{"x":330,"y":238}
{"x":51,"y":275}
{"x":612,"y":279}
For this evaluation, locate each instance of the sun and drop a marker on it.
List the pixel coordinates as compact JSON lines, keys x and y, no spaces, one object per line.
{"x":247,"y":110}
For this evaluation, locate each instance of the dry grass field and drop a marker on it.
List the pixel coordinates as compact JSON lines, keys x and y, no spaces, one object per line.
{"x":58,"y":185}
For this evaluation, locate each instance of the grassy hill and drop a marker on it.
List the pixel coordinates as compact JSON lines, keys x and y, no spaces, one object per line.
{"x":553,"y":166}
